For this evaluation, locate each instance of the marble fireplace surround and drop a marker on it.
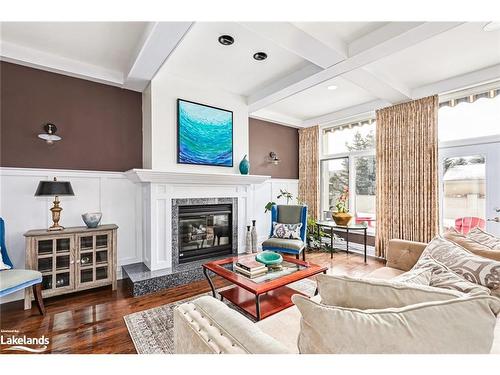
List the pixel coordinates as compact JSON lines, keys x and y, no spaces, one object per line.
{"x":176,"y":266}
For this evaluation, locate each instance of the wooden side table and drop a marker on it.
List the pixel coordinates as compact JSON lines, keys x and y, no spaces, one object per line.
{"x":72,"y":259}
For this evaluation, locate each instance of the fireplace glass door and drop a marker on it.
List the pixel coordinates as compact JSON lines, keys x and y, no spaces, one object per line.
{"x":205,"y":231}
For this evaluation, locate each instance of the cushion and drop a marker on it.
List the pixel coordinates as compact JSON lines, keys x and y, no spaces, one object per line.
{"x":3,"y":266}
{"x":460,"y":325}
{"x":443,"y":277}
{"x":385,"y":273}
{"x":358,"y":293}
{"x":415,"y":276}
{"x":485,"y":238}
{"x":472,"y":245}
{"x":284,"y":326}
{"x":291,"y":231}
{"x":290,"y":214}
{"x":282,"y":243}
{"x":12,"y":279}
{"x":469,"y":266}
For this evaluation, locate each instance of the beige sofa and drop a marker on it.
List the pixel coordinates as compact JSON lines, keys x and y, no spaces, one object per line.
{"x":206,"y":325}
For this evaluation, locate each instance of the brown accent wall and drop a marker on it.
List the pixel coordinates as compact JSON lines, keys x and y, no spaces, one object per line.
{"x":101,"y":125}
{"x":265,"y":137}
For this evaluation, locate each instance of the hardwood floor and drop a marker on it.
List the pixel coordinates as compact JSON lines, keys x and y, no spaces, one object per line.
{"x":92,"y":321}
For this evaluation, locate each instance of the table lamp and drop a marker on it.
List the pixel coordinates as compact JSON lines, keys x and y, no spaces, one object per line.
{"x":54,"y":188}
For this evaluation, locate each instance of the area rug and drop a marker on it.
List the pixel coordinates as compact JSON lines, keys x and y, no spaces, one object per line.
{"x":152,"y":330}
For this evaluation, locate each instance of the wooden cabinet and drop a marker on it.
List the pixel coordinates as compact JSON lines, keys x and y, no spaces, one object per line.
{"x":72,"y":259}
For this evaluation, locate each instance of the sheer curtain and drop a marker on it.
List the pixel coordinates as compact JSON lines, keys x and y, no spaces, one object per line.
{"x":407,"y":172}
{"x":309,"y":169}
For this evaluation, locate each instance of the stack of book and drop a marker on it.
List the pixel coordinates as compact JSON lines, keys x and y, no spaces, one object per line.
{"x":250,"y":268}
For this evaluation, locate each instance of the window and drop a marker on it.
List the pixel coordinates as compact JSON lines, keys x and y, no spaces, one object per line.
{"x":470,"y":120}
{"x":347,"y":138}
{"x":335,"y":174}
{"x":464,"y":181}
{"x":348,"y":160}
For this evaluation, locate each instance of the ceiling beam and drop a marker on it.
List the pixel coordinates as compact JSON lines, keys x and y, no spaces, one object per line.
{"x":159,"y":41}
{"x":346,"y":113}
{"x":377,"y":86}
{"x":297,"y":41}
{"x":32,"y":58}
{"x":463,"y":81}
{"x":277,"y":118}
{"x":388,"y":40}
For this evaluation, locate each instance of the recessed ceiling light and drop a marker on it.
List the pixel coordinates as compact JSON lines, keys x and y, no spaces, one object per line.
{"x":332,"y":87}
{"x":492,"y":26}
{"x":259,"y":56}
{"x":226,"y":40}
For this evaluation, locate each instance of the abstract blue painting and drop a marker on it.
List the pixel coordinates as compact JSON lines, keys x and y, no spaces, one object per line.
{"x":204,"y":134}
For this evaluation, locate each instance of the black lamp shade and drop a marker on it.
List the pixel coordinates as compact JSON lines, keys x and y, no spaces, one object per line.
{"x":52,"y":188}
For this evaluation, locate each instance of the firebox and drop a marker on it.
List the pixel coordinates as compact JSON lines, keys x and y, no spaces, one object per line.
{"x":205,"y":231}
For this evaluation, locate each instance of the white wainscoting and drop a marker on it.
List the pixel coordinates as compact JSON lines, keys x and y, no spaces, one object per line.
{"x":111,"y":193}
{"x":120,"y":201}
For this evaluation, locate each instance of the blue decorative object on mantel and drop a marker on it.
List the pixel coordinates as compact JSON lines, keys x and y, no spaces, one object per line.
{"x":244,"y":165}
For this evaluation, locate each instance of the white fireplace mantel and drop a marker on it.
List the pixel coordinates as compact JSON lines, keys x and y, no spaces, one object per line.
{"x":165,"y":177}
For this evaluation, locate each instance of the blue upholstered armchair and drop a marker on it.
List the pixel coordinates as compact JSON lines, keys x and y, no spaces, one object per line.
{"x":12,"y":280}
{"x":288,"y":214}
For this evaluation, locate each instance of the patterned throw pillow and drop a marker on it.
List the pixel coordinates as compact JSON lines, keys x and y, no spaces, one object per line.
{"x":415,"y":276}
{"x":473,"y":268}
{"x":288,"y":231}
{"x":479,"y":235}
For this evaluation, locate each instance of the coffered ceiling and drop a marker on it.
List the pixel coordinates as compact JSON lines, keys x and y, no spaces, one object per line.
{"x":371,"y":64}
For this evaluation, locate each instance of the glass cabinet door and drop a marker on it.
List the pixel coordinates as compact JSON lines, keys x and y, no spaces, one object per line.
{"x":54,"y":259}
{"x":93,"y":257}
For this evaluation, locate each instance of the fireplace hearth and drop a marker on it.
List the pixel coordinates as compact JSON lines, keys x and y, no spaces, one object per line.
{"x":203,"y":230}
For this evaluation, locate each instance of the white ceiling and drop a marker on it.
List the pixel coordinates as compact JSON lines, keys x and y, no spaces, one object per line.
{"x":460,"y":50}
{"x":318,"y":100}
{"x":110,"y":45}
{"x":201,"y":58}
{"x":374,"y":64}
{"x":330,"y":32}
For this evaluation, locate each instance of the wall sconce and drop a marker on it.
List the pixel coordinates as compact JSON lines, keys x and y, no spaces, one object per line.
{"x":50,"y":134}
{"x":273,"y":158}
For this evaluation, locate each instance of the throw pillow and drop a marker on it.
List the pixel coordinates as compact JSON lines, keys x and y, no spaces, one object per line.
{"x":3,"y":266}
{"x":414,"y":276}
{"x":479,"y":235}
{"x":472,"y":245}
{"x":356,"y":293}
{"x":443,"y":277}
{"x":471,"y":267}
{"x":461,"y":325}
{"x":288,"y":231}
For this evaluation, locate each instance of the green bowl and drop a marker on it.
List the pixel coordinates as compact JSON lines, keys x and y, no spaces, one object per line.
{"x":269,"y":258}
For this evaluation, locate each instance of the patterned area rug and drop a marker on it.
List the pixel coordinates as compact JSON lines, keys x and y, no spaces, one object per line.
{"x":152,"y":330}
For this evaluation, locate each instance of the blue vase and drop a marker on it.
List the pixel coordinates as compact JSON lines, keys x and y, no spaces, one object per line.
{"x":244,"y":165}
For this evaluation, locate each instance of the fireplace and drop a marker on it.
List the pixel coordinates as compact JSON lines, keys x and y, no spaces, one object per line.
{"x":204,"y":231}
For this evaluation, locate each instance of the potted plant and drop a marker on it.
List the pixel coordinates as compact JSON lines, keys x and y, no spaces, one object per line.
{"x":283,"y":194}
{"x":342,"y":215}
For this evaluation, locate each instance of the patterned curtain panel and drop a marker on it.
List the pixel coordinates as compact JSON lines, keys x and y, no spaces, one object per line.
{"x":309,"y":169}
{"x":407,"y":172}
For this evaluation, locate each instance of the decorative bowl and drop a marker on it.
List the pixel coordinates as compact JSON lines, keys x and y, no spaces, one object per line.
{"x":92,"y":219}
{"x":341,"y":218}
{"x":269,"y":258}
